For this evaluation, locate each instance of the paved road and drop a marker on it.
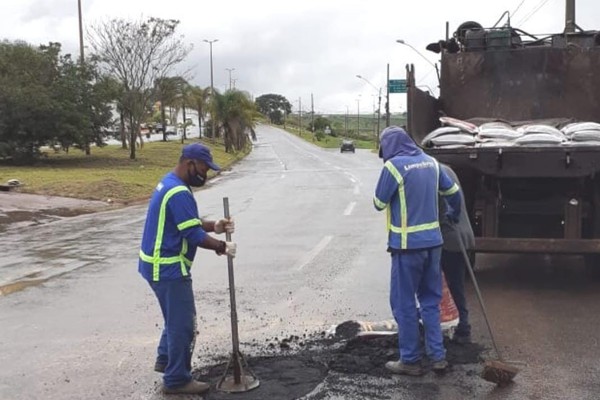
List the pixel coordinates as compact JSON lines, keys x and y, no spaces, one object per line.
{"x":308,"y":237}
{"x":311,"y":254}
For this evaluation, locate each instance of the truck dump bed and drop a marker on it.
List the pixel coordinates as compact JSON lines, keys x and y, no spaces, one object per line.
{"x":521,"y":198}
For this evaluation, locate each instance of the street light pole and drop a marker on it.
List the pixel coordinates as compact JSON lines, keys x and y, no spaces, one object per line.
{"x":437,"y":71}
{"x":358,"y":117}
{"x":230,"y":70}
{"x":212,"y":85}
{"x":378,"y":106}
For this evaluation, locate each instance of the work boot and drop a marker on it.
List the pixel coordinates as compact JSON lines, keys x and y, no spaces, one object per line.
{"x":398,"y":367}
{"x":439,"y":366}
{"x":192,"y":387}
{"x":160,"y":367}
{"x":461,"y":339}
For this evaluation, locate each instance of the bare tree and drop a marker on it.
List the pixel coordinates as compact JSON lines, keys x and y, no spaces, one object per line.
{"x":138,"y":54}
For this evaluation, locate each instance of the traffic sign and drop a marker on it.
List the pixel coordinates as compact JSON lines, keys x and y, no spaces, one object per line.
{"x":397,"y":85}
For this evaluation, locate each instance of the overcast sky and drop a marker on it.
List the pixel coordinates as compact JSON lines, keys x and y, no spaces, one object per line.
{"x":301,"y":47}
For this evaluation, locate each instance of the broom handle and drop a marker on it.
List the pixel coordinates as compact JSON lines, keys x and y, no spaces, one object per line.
{"x":479,"y":297}
{"x":235,"y":341}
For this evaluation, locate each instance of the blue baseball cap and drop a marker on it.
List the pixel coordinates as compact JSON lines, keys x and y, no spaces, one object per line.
{"x":200,"y":152}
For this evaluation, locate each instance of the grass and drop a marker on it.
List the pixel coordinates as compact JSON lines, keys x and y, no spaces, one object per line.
{"x":331,"y":142}
{"x":366,"y":139}
{"x":107,"y":173}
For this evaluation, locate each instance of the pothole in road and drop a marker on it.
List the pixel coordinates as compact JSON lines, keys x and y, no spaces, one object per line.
{"x":304,"y":364}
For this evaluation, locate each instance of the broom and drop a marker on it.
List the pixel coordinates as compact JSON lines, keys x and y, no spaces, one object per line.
{"x":496,"y":371}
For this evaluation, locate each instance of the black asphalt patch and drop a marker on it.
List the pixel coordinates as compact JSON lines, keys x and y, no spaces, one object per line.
{"x":302,"y":364}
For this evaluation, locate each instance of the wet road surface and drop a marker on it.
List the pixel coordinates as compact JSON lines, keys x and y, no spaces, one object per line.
{"x":310,"y":254}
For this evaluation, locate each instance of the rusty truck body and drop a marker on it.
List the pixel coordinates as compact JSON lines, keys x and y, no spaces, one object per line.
{"x":530,"y":199}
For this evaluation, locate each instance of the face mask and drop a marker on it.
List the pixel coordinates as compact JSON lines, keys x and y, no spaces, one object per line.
{"x":195,"y":179}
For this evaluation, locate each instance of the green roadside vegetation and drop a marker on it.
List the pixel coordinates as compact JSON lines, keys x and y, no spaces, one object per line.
{"x":331,"y":142}
{"x":366,"y":139}
{"x":108,"y":173}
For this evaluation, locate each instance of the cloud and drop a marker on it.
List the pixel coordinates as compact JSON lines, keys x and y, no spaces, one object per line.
{"x":297,"y":49}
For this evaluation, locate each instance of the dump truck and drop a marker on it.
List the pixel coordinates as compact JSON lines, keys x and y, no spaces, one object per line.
{"x":521,"y":199}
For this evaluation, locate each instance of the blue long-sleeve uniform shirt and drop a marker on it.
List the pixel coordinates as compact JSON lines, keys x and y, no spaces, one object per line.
{"x":172,"y":232}
{"x":408,"y":187}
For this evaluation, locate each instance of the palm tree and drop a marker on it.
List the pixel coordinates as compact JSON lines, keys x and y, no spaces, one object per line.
{"x":167,"y":92}
{"x":199,"y":100}
{"x":184,"y":100}
{"x":235,"y":112}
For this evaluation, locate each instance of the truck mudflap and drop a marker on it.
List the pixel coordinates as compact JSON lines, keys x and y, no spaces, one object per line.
{"x":527,"y":245}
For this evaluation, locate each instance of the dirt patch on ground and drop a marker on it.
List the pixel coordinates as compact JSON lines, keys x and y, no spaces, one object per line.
{"x":301,"y":364}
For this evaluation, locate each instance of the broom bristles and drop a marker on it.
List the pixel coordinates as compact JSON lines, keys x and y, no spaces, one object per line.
{"x":499,"y":372}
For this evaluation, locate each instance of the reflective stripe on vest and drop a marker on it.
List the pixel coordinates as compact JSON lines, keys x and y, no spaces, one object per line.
{"x":450,"y":191}
{"x":404,"y":229}
{"x":156,"y":260}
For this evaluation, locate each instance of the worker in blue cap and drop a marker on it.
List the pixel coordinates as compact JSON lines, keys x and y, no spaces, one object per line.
{"x":172,"y":233}
{"x":408,"y":188}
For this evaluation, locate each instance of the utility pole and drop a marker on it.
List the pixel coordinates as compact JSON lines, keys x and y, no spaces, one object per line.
{"x":312,"y":113}
{"x":378,"y":119}
{"x":300,"y":115}
{"x":570,"y":17}
{"x":346,"y":121}
{"x":212,"y":86}
{"x":81,"y":55}
{"x":387,"y":101}
{"x":230,"y":70}
{"x":82,"y":63}
{"x":234,"y":80}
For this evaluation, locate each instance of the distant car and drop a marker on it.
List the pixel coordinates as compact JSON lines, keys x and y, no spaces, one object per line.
{"x":347,"y":145}
{"x":171,"y":130}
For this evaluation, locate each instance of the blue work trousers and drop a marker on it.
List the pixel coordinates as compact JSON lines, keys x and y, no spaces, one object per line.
{"x":176,"y":299}
{"x":417,"y":273}
{"x":454,"y":267}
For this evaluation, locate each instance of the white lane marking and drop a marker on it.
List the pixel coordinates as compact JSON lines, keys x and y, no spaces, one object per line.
{"x":282,"y":176}
{"x":356,"y":189}
{"x":350,"y":176}
{"x":349,"y":209}
{"x":313,"y":253}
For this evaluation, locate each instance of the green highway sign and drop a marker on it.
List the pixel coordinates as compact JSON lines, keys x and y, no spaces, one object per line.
{"x":397,"y":85}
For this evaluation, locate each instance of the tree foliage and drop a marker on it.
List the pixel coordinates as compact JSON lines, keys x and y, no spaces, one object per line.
{"x":273,"y":106}
{"x":198,"y":100}
{"x":138,"y":54}
{"x":319,"y":124}
{"x":172,"y":92}
{"x":48,"y":99}
{"x":235,"y":113}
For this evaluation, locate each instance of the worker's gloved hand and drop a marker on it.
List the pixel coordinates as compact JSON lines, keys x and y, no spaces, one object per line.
{"x":227,"y":248}
{"x":231,"y":248}
{"x":225,"y":225}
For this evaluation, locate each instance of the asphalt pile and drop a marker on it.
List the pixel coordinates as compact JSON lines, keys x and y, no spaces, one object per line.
{"x":292,"y":367}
